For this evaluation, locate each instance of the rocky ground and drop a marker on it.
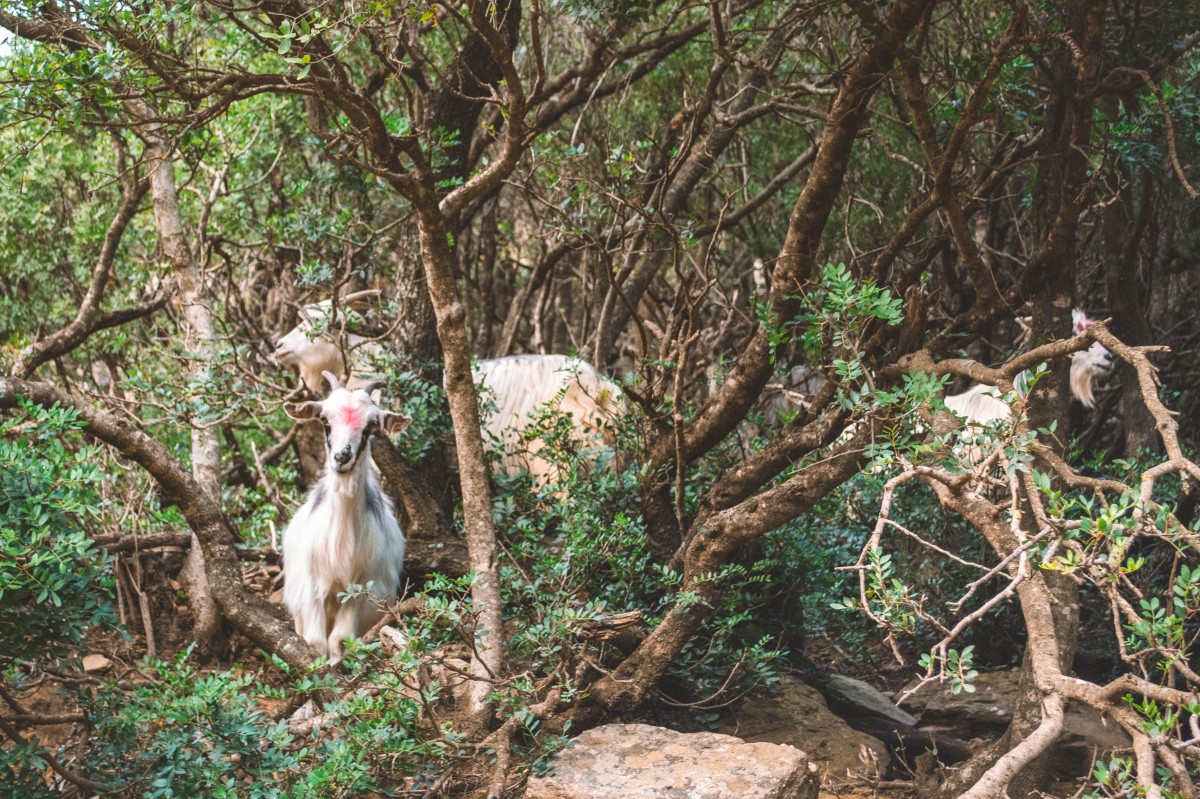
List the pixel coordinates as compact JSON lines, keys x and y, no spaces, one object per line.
{"x":787,"y":742}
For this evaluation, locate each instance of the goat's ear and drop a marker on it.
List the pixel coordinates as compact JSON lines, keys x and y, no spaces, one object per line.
{"x":1079,"y":321}
{"x":392,"y":423}
{"x":302,"y":411}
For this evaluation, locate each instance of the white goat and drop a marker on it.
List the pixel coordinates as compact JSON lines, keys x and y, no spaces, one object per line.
{"x":515,"y":390}
{"x":982,"y":404}
{"x":346,"y":532}
{"x":316,"y":345}
{"x":521,"y":387}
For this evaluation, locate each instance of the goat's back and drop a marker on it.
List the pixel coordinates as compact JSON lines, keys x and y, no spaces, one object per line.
{"x":517,"y":388}
{"x":979,"y":404}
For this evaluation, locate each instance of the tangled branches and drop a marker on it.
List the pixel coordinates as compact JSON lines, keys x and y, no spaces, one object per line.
{"x":1042,"y":521}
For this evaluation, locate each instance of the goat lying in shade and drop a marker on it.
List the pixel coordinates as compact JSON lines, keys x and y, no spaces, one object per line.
{"x":346,"y":532}
{"x":515,"y":390}
{"x":982,"y":404}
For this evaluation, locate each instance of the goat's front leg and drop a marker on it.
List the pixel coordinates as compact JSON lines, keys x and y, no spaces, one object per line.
{"x":313,"y":626}
{"x":345,"y":625}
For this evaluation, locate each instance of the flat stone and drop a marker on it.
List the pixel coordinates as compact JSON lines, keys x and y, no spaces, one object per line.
{"x":859,"y":694}
{"x":93,"y":663}
{"x":985,"y":711}
{"x":794,"y":713}
{"x":638,"y":761}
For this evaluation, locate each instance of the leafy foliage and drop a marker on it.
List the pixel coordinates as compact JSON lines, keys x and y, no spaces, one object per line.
{"x":54,"y":586}
{"x":53,"y":583}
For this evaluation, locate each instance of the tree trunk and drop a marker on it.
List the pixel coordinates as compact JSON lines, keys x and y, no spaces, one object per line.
{"x":199,"y":338}
{"x":486,"y":661}
{"x":1127,"y":302}
{"x":416,"y":337}
{"x":1058,"y":201}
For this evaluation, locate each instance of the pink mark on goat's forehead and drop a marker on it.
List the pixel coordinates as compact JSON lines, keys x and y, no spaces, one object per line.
{"x":350,"y":416}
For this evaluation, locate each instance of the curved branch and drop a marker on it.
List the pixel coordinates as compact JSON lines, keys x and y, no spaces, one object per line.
{"x":90,"y":319}
{"x":248,"y":612}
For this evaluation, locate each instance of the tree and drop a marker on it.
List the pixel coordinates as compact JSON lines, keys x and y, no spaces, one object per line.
{"x":520,"y":176}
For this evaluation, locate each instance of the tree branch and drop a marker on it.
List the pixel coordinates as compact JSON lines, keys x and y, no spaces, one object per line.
{"x":246,"y":611}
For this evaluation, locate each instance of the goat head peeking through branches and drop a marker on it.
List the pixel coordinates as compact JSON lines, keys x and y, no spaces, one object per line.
{"x":345,"y":533}
{"x":981,"y":404}
{"x":322,"y":343}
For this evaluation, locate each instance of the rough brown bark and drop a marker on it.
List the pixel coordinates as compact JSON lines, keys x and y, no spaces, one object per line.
{"x":418,"y":509}
{"x":1124,"y":227}
{"x":487,"y":663}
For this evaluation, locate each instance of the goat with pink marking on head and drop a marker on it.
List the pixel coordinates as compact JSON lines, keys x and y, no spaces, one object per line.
{"x":982,"y":404}
{"x":345,"y":533}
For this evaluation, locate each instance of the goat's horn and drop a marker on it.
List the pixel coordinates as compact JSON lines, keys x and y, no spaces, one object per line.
{"x":334,"y":383}
{"x":354,"y":296}
{"x":374,"y":385}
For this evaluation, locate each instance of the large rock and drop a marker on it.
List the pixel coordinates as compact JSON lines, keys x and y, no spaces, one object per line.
{"x":796,"y":714}
{"x":984,"y":712}
{"x":856,"y":695}
{"x":1086,"y":734}
{"x":637,"y":761}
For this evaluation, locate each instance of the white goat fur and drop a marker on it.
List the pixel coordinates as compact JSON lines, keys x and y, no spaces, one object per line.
{"x":520,"y":386}
{"x":346,"y":531}
{"x":981,"y":404}
{"x":316,"y":346}
{"x":517,"y":387}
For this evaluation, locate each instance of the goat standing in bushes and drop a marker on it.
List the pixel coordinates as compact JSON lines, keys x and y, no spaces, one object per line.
{"x":518,"y":388}
{"x":345,"y":533}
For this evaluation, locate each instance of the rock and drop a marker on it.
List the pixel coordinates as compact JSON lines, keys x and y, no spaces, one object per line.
{"x":796,"y":714}
{"x":865,"y":697}
{"x":871,"y":712}
{"x":393,"y":640}
{"x":985,"y":712}
{"x":93,"y":663}
{"x":1086,"y":734}
{"x":637,"y":761}
{"x":306,"y":719}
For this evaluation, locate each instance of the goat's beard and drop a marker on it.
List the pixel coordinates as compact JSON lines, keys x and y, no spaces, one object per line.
{"x":1083,"y":384}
